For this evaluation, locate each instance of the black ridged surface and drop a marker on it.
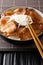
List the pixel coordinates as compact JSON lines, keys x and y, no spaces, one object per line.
{"x":21,"y":58}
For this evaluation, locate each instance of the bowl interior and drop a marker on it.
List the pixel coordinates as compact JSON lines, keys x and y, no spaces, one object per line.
{"x":16,"y":38}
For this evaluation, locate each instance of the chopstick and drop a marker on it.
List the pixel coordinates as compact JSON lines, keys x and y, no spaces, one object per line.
{"x":36,"y":39}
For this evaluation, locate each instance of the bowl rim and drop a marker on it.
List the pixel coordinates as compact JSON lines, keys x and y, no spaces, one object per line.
{"x":39,"y":12}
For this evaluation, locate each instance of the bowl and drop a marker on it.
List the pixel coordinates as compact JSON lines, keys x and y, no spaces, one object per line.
{"x":21,"y":42}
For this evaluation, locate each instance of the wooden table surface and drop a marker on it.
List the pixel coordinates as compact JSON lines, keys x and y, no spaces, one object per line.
{"x":6,"y":46}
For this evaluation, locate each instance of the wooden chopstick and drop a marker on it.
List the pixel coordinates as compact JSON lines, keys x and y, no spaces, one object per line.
{"x":36,"y":39}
